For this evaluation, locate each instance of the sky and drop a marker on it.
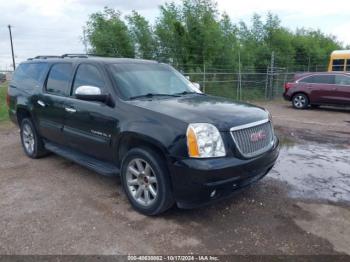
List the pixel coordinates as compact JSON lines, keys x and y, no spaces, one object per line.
{"x":54,"y":27}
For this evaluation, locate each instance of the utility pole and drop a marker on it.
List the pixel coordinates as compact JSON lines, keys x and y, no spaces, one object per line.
{"x":13,"y":55}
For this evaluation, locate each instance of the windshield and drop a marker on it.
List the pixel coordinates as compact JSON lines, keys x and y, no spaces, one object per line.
{"x":146,"y":79}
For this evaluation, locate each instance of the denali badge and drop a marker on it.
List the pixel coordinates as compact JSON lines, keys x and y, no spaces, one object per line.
{"x":258,"y":136}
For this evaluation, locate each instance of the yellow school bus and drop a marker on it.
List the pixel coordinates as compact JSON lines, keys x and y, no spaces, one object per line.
{"x":340,"y":61}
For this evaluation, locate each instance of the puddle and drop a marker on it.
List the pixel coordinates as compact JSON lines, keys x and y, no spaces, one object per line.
{"x":314,"y":171}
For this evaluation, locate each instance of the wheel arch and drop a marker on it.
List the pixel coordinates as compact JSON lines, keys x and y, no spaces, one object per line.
{"x":301,"y":92}
{"x":22,"y":113}
{"x":131,"y":140}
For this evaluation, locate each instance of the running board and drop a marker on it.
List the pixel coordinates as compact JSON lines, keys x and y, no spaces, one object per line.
{"x":101,"y":167}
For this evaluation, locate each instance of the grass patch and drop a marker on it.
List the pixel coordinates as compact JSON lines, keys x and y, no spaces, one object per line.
{"x":3,"y":106}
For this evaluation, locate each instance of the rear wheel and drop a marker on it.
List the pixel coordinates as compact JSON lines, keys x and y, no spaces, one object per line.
{"x":300,"y":101}
{"x":146,"y":181}
{"x":32,"y":143}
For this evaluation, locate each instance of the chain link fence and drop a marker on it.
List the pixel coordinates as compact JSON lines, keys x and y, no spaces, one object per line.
{"x":5,"y":75}
{"x":247,"y":85}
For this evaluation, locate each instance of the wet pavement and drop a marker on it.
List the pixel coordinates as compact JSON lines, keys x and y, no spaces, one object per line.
{"x":314,"y":171}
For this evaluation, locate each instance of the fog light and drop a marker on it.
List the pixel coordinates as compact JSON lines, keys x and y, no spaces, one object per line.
{"x":213,"y":193}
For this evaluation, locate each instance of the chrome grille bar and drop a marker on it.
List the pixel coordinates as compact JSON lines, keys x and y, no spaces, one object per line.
{"x":254,"y":138}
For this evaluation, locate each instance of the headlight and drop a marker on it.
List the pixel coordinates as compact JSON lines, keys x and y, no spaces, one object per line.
{"x":204,"y":140}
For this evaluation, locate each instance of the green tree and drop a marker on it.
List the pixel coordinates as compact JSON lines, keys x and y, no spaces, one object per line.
{"x":142,"y":35}
{"x":108,"y":34}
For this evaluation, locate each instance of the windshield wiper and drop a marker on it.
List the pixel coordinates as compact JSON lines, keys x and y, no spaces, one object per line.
{"x":188,"y":93}
{"x":150,"y":95}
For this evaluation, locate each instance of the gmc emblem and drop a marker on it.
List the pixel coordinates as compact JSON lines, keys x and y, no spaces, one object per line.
{"x":258,"y":136}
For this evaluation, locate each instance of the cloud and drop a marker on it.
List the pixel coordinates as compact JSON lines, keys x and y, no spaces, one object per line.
{"x":55,"y":26}
{"x":122,"y":4}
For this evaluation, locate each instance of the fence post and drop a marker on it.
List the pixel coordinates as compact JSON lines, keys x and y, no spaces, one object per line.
{"x":267,"y":81}
{"x":204,"y":77}
{"x":272,"y":69}
{"x":239,"y":90}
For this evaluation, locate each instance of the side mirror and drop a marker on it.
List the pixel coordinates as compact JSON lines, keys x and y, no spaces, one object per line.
{"x":196,"y":85}
{"x":90,"y":93}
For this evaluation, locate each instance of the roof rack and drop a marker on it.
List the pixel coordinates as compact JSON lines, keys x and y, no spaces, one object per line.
{"x":44,"y":57}
{"x":75,"y":55}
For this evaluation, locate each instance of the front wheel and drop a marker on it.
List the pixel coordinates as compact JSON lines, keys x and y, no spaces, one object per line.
{"x":300,"y":101}
{"x":146,"y":181}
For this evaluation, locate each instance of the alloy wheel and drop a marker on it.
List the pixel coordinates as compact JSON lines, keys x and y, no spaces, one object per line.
{"x":142,"y":182}
{"x":28,"y":139}
{"x":299,"y":101}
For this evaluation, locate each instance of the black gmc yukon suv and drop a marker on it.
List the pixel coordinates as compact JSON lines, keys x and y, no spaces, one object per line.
{"x":144,"y":121}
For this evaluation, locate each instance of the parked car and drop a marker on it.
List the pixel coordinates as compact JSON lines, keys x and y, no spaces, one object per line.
{"x":315,"y":89}
{"x":144,"y":121}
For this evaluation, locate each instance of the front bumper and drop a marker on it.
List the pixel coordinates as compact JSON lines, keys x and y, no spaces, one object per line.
{"x":287,"y":96}
{"x":194,"y":180}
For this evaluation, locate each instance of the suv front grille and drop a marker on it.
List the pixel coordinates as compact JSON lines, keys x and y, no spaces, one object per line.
{"x":253,"y":139}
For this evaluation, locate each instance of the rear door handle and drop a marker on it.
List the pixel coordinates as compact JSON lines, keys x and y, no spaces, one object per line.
{"x":41,"y":103}
{"x":70,"y":110}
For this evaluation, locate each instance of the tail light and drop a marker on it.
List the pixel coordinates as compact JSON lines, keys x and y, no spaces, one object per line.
{"x":287,"y":86}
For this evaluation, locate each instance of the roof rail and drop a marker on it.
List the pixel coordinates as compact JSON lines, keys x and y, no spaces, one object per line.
{"x":75,"y":56}
{"x":44,"y":57}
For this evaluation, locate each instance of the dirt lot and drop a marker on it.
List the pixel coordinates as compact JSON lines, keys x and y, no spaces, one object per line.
{"x":53,"y":206}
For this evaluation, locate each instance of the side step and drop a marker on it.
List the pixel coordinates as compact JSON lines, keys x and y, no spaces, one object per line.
{"x":101,"y":167}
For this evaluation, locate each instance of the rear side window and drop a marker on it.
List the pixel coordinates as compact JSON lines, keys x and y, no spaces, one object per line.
{"x":318,"y":79}
{"x":29,"y":75}
{"x":342,"y":80}
{"x":59,"y":79}
{"x":348,"y":65}
{"x":88,"y":75}
{"x":338,"y":65}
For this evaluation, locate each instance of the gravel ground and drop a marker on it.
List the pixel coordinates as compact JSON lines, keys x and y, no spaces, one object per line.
{"x":53,"y":206}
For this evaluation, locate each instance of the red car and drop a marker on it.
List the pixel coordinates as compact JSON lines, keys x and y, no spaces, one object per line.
{"x":315,"y":89}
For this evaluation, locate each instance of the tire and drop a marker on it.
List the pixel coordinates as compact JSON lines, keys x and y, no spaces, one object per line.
{"x":146,"y":181}
{"x":32,"y":143}
{"x":300,"y":101}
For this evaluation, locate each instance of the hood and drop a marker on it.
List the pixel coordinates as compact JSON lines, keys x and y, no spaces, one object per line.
{"x":221,"y":112}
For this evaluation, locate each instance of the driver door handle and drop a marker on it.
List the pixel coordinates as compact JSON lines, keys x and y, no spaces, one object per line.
{"x":41,"y":103}
{"x":70,"y":110}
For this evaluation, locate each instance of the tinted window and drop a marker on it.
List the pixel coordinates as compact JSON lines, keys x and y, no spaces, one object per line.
{"x":59,"y":79}
{"x":342,"y":80}
{"x":29,"y":75}
{"x":319,"y":79}
{"x":88,"y":75}
{"x":148,"y":78}
{"x":338,"y":65}
{"x":348,"y":65}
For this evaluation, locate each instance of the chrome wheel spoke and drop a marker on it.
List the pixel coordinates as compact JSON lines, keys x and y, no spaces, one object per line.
{"x":139,"y":192}
{"x":147,"y":170}
{"x":152,"y":191}
{"x":147,"y":197}
{"x":140,"y":167}
{"x":152,"y":180}
{"x":133,"y":171}
{"x":133,"y":182}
